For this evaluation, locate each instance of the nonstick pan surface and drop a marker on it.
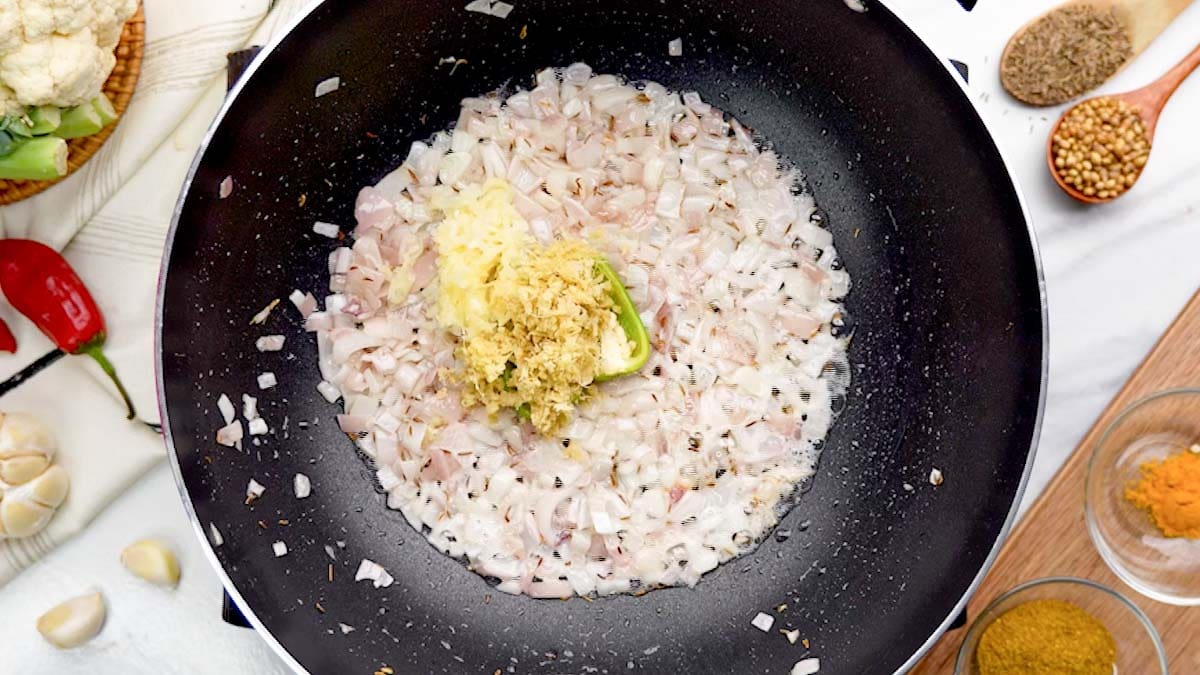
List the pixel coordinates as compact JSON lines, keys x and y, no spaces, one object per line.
{"x":948,"y":350}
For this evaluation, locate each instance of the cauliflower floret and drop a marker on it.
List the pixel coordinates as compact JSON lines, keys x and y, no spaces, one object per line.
{"x":8,"y":103}
{"x":42,"y":18}
{"x":11,"y":32}
{"x":111,"y":16}
{"x":57,"y":52}
{"x":61,"y":70}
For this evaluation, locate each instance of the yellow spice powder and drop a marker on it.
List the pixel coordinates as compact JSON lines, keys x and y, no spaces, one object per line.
{"x":1046,"y":637}
{"x":1169,"y":491}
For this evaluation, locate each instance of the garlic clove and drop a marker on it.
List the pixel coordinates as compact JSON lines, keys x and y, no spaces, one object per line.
{"x":21,"y":518}
{"x":73,"y":622}
{"x":20,"y":470}
{"x":24,"y":434}
{"x":50,"y":488}
{"x":152,"y":561}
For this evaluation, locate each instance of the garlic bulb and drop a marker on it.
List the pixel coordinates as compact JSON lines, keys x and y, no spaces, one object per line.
{"x":31,"y":487}
{"x":73,"y":622}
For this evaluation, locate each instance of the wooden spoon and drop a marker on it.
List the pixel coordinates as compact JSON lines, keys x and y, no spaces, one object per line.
{"x":1143,"y":21}
{"x":1148,"y":101}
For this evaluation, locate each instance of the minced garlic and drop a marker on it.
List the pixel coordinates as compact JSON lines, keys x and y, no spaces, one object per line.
{"x":532,"y":318}
{"x":480,"y":232}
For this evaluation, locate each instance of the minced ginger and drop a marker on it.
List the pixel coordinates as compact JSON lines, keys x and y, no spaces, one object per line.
{"x":531,"y":317}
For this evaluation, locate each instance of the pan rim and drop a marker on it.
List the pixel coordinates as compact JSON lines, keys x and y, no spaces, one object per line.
{"x":177,"y":472}
{"x":1015,"y":507}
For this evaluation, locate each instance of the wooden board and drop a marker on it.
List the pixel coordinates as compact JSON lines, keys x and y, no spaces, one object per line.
{"x":1052,"y":538}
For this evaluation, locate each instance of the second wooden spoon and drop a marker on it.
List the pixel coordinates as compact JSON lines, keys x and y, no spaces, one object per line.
{"x":1149,"y":101}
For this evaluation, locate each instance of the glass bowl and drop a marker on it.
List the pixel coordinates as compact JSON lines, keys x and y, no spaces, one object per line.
{"x":1139,"y":649}
{"x":1162,"y":568}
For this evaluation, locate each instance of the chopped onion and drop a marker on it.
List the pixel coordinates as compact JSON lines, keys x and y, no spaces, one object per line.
{"x":305,"y":302}
{"x":692,"y":100}
{"x":279,"y":548}
{"x":716,"y":247}
{"x":258,"y":426}
{"x":407,"y":376}
{"x":481,"y":6}
{"x":267,"y":380}
{"x":577,"y":73}
{"x":454,"y":165}
{"x":329,"y":391}
{"x":226,"y":187}
{"x":226,"y":407}
{"x":493,"y":160}
{"x":387,"y":422}
{"x":443,"y":465}
{"x":669,"y":199}
{"x":413,"y":436}
{"x":230,"y":434}
{"x":327,"y":86}
{"x":345,"y":628}
{"x":807,"y":666}
{"x":270,"y":343}
{"x":501,"y":9}
{"x":603,"y":523}
{"x":373,"y":209}
{"x":318,"y":321}
{"x":254,"y":489}
{"x":214,"y":535}
{"x":763,"y":622}
{"x":302,"y":486}
{"x":388,"y":480}
{"x":675,"y":47}
{"x":550,"y":588}
{"x":378,"y":576}
{"x":347,"y":342}
{"x":249,"y":407}
{"x":352,"y":424}
{"x":326,"y":229}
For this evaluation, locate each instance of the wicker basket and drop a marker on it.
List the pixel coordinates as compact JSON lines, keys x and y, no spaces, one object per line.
{"x":118,"y":87}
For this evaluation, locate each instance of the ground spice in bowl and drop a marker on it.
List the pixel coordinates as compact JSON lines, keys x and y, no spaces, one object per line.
{"x":1100,"y":147}
{"x":1069,"y":51}
{"x":1169,"y":491}
{"x":1046,"y":637}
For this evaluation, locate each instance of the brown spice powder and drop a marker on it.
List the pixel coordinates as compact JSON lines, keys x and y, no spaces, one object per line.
{"x":1065,"y":53}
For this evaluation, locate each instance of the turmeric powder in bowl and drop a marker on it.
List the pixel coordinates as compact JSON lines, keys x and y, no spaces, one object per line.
{"x":1142,"y":496}
{"x":1169,"y":491}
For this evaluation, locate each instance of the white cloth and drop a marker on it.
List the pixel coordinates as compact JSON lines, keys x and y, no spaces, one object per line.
{"x":112,"y":216}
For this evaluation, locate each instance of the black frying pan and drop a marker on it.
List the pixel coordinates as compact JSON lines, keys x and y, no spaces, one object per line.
{"x":947,"y":307}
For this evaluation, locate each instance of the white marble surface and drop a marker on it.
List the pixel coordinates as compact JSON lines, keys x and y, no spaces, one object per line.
{"x":1116,"y":276}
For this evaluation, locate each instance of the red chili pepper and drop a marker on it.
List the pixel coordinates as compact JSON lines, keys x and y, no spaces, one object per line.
{"x":8,"y":343}
{"x":41,"y":284}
